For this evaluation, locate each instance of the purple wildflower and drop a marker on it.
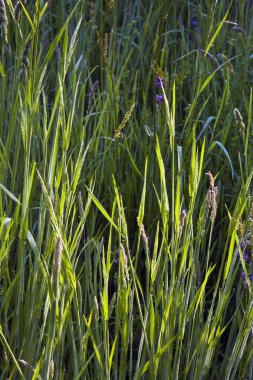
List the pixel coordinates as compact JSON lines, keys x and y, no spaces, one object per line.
{"x":194,"y":24}
{"x":246,"y":255}
{"x":243,"y":276}
{"x":160,"y":82}
{"x":246,"y":251}
{"x":194,"y":21}
{"x":237,"y":28}
{"x":159,"y":99}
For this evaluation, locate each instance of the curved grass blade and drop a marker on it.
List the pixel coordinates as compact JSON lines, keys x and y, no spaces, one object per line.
{"x":10,"y":194}
{"x":226,"y":154}
{"x":210,"y":43}
{"x":101,"y":209}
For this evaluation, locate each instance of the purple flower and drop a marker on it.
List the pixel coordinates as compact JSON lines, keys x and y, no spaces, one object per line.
{"x":194,"y":21}
{"x":160,"y":82}
{"x":159,"y":99}
{"x":237,"y":28}
{"x":243,"y":276}
{"x":245,"y":255}
{"x":194,"y":24}
{"x":246,"y":251}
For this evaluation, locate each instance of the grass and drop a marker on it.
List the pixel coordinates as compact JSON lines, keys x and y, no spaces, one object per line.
{"x":126,"y":224}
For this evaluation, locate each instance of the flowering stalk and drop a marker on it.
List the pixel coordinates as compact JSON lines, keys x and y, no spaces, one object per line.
{"x":3,"y":23}
{"x":52,"y":319}
{"x":212,"y":203}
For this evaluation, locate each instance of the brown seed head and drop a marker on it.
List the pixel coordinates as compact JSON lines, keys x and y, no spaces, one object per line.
{"x":123,"y":260}
{"x":106,"y":47}
{"x":212,"y":196}
{"x":182,"y":222}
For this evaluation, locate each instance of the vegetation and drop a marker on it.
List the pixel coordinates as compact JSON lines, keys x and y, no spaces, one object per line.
{"x":126,"y":211}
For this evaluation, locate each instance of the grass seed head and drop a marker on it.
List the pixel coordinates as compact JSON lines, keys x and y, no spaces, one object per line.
{"x":182,"y":222}
{"x":96,"y":308}
{"x":58,"y":255}
{"x":92,"y":18}
{"x":212,"y":196}
{"x":80,"y":204}
{"x":239,"y":122}
{"x":124,"y":261}
{"x":106,"y":47}
{"x":143,"y":235}
{"x":3,"y":22}
{"x":240,"y":228}
{"x":51,"y":370}
{"x":122,"y":125}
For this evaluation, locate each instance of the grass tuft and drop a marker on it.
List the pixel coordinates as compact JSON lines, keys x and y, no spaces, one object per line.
{"x":126,"y":232}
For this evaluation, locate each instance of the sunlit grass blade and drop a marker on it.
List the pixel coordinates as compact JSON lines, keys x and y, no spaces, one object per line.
{"x":217,"y":31}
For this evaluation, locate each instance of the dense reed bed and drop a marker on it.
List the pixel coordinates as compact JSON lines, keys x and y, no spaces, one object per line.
{"x":126,"y":210}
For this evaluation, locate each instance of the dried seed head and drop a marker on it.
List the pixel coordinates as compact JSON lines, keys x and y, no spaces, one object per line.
{"x":123,"y":260}
{"x":3,"y":22}
{"x":92,"y":16}
{"x":106,"y":47}
{"x":211,"y":179}
{"x":58,"y":255}
{"x":51,"y":370}
{"x":96,"y":308}
{"x":213,"y":201}
{"x":240,"y":228}
{"x":80,"y":203}
{"x":127,"y":116}
{"x":182,"y":222}
{"x":212,"y":197}
{"x":143,"y":235}
{"x":239,"y":122}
